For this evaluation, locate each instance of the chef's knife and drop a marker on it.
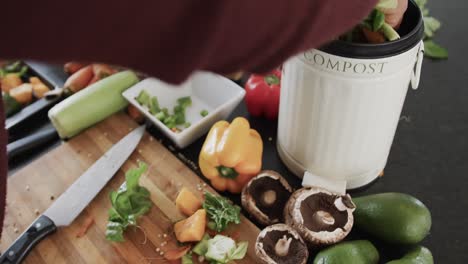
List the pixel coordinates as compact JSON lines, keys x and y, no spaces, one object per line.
{"x":70,"y":204}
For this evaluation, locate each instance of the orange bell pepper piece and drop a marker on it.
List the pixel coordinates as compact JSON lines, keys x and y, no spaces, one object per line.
{"x":231,"y":155}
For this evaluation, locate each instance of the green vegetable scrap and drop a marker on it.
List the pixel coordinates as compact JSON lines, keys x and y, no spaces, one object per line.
{"x":14,"y":67}
{"x":204,"y":113}
{"x":162,"y":114}
{"x":220,"y":211}
{"x":202,"y":246}
{"x":431,"y":25}
{"x":433,"y":50}
{"x":187,"y":258}
{"x":376,"y":20}
{"x":143,"y":98}
{"x":185,"y":102}
{"x":128,"y":203}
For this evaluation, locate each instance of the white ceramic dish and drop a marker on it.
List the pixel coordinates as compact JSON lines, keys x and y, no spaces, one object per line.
{"x":214,"y":93}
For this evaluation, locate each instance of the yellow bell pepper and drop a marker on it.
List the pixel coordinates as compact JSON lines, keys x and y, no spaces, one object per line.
{"x":231,"y":155}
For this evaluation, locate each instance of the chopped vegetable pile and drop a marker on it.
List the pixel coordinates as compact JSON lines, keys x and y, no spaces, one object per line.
{"x":172,"y":121}
{"x":220,"y":211}
{"x":18,"y":87}
{"x":128,"y":203}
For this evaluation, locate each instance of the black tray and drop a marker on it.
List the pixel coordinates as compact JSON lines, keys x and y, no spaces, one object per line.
{"x":39,"y":107}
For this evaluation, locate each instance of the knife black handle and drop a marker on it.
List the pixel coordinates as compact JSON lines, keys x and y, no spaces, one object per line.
{"x":38,"y":230}
{"x":30,"y":142}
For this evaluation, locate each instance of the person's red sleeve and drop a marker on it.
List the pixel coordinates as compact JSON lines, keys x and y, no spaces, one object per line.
{"x":171,"y":39}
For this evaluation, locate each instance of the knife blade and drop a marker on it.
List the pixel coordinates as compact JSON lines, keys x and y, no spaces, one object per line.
{"x":70,"y":204}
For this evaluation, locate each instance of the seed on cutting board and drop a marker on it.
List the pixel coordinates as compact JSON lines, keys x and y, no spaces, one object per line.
{"x":139,"y":151}
{"x":161,"y":253}
{"x":36,"y":211}
{"x":52,"y":197}
{"x":159,"y":235}
{"x":270,"y":139}
{"x":27,"y":187}
{"x":158,"y":249}
{"x":16,"y":230}
{"x":164,"y":235}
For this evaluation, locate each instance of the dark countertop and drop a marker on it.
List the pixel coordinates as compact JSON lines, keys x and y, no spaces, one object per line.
{"x":429,"y":157}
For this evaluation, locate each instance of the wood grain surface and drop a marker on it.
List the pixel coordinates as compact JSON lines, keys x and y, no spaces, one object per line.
{"x":33,"y":189}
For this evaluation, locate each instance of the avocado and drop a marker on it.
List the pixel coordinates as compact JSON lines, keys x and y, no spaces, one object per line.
{"x":395,"y":218}
{"x":419,"y":255}
{"x":350,"y":252}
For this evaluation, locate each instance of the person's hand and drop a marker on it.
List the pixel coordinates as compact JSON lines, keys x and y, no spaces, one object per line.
{"x":394,"y":16}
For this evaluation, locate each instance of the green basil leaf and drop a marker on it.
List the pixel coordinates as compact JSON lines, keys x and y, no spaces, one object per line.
{"x":133,"y":176}
{"x":435,"y":51}
{"x":132,"y":219}
{"x":123,"y":204}
{"x":114,"y":215}
{"x":114,"y":232}
{"x":113,"y":197}
{"x":128,"y":203}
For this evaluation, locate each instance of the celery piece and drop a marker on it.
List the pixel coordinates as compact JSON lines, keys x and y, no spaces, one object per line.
{"x":185,"y":101}
{"x":204,"y":113}
{"x":154,"y":105}
{"x":143,"y":98}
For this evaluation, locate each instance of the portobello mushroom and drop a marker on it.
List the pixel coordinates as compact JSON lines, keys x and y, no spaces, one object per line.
{"x":319,"y":216}
{"x":265,"y":196}
{"x":280,"y":243}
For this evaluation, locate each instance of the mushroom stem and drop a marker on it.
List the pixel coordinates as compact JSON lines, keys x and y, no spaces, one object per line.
{"x":282,"y":246}
{"x":325,"y":217}
{"x":269,"y":197}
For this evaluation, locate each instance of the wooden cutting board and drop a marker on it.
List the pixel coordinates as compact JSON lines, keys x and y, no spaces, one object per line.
{"x":32,"y":189}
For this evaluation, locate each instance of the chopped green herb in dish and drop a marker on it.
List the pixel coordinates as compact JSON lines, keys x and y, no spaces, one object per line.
{"x":175,"y":121}
{"x":143,"y":98}
{"x":204,"y":113}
